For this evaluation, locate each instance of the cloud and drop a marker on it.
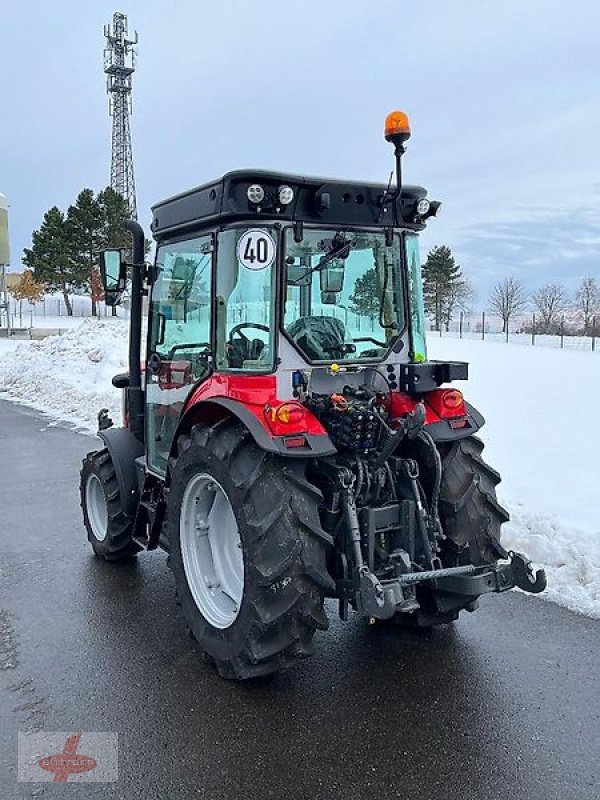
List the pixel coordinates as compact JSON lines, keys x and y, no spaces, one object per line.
{"x":548,"y":244}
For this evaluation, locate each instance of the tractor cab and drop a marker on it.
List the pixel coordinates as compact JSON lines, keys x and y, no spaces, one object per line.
{"x":286,"y":437}
{"x":264,"y":278}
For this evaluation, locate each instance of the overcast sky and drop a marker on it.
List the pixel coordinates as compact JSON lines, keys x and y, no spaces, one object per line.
{"x":503,"y":97}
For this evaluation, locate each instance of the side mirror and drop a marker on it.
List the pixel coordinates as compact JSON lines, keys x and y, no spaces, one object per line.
{"x":329,"y":298}
{"x":332,"y":277}
{"x":113,"y":271}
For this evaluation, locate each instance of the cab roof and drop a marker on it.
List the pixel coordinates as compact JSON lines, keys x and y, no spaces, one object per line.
{"x":316,"y":200}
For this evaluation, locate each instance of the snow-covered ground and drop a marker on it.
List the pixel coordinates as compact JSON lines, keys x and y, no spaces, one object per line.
{"x":542,"y":432}
{"x":68,"y":376}
{"x":543,"y":436}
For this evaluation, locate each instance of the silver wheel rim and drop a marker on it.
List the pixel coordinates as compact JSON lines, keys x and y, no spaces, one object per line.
{"x":211,"y":551}
{"x":97,"y":510}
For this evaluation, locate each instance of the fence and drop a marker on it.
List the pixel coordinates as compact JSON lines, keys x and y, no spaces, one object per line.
{"x":524,"y":329}
{"x":52,"y":311}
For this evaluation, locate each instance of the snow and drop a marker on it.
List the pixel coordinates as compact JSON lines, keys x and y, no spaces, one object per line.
{"x":542,"y":432}
{"x":542,"y":435}
{"x":68,"y":376}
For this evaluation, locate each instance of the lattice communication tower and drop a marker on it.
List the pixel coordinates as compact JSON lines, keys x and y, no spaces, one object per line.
{"x":119,"y":65}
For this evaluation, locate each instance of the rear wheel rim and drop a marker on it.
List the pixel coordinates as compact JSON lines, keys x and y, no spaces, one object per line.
{"x":211,"y":551}
{"x":95,"y":501}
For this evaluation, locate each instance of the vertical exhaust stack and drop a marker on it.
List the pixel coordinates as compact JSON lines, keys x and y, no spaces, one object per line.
{"x":397,"y":131}
{"x":135,"y":391}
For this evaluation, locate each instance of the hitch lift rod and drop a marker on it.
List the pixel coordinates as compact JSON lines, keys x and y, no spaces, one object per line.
{"x":432,"y":574}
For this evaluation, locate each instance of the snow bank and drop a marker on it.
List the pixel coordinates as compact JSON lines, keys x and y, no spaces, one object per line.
{"x":542,"y":433}
{"x":68,"y":376}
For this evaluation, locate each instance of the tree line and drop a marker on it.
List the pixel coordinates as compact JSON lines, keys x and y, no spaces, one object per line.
{"x":551,"y":304}
{"x":447,"y":291}
{"x":64,"y":249}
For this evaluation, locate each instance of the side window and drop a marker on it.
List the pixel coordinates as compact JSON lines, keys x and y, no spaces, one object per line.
{"x":180,"y":310}
{"x":179,"y":347}
{"x":415,"y":288}
{"x":245,"y":299}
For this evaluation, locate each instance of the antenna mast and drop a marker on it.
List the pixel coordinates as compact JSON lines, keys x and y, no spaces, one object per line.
{"x":119,"y":66}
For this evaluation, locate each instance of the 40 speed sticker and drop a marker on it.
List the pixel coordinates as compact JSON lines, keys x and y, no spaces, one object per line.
{"x":256,"y":249}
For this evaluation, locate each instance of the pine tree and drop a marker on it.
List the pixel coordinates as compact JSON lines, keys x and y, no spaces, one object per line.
{"x":114,"y":212}
{"x":86,"y":220}
{"x":366,"y":298}
{"x":444,"y":286}
{"x":51,"y":257}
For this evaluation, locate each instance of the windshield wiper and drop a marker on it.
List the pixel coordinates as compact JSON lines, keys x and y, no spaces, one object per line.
{"x":340,"y":248}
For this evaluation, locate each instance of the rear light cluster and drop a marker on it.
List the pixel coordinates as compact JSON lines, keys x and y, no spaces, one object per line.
{"x":447,"y":403}
{"x":287,"y":418}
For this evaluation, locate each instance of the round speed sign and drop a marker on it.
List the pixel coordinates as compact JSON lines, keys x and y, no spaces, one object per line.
{"x":256,"y":249}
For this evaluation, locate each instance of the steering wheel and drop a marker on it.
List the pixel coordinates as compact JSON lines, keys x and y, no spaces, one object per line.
{"x":237,"y":329}
{"x":240,"y":347}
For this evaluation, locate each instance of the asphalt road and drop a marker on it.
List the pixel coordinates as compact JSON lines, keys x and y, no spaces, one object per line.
{"x":504,"y":704}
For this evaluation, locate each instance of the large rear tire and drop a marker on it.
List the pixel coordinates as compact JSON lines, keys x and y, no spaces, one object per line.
{"x":471,"y":519}
{"x":109,"y":528}
{"x":469,"y":510}
{"x":266,"y":617}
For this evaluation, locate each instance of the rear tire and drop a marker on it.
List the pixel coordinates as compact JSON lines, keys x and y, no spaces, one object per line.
{"x":471,"y":519}
{"x":109,"y":529}
{"x":469,"y":511}
{"x":284,"y":550}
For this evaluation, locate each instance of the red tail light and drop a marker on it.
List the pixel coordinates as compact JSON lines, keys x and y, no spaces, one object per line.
{"x":295,"y":441}
{"x":447,"y":403}
{"x":286,"y":418}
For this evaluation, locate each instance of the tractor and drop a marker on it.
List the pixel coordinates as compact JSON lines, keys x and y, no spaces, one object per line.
{"x":285,"y":437}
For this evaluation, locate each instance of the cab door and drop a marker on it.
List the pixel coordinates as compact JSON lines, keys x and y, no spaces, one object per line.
{"x":179,"y":339}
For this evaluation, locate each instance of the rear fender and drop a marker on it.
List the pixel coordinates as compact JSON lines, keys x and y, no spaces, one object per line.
{"x":216,"y":408}
{"x":124,"y":448}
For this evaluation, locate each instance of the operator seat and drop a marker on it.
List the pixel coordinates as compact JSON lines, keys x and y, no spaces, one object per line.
{"x":320,"y":338}
{"x":241,"y":350}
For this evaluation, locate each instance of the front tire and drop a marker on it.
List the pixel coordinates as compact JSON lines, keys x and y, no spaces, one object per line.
{"x":276,"y":589}
{"x":109,"y":528}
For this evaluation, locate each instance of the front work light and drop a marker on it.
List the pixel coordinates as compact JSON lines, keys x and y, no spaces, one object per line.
{"x":286,"y":195}
{"x":423,"y":207}
{"x":255,"y":193}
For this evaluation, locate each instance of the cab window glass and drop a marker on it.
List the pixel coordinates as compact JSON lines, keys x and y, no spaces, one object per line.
{"x":245,"y":297}
{"x":344,"y":295}
{"x":181,"y":303}
{"x":415,"y":288}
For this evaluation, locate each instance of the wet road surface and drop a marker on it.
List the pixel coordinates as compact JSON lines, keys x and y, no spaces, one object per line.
{"x":504,"y":704}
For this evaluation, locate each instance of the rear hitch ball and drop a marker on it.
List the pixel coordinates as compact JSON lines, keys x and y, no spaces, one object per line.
{"x":524,"y":576}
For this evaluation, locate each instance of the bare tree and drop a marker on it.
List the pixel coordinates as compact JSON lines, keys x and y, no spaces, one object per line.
{"x":588,"y":301}
{"x":508,"y":297}
{"x":550,"y":300}
{"x":459,"y":295}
